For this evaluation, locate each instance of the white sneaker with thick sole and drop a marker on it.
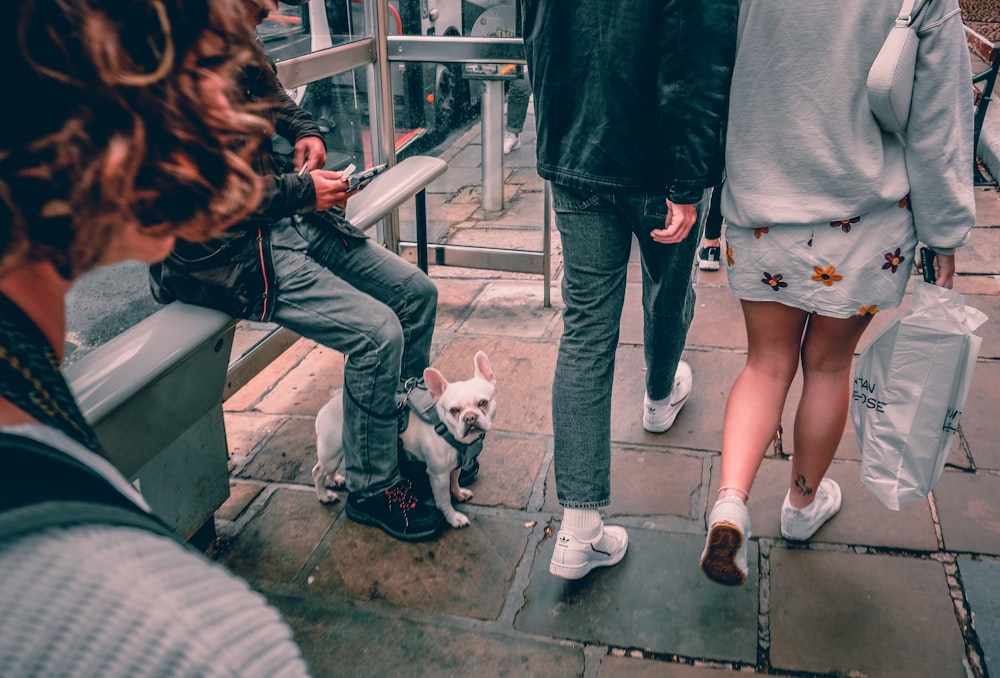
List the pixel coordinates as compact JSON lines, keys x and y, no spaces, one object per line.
{"x":659,"y":415}
{"x":801,"y":524}
{"x":511,"y":142}
{"x":574,"y":559}
{"x":724,"y":559}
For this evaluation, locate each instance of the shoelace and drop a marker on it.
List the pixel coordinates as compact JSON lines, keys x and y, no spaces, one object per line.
{"x":401,"y":496}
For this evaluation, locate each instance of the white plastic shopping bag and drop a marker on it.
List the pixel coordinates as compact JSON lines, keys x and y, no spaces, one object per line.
{"x":910,"y":386}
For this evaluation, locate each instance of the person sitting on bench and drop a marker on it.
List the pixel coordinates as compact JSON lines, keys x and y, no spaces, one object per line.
{"x":299,"y":263}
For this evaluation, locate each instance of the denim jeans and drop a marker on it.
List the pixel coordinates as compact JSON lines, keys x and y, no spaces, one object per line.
{"x":360,"y":299}
{"x":596,"y":231}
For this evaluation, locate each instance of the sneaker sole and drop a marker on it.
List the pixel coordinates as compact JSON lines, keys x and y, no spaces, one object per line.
{"x":364,"y":519}
{"x":709,"y":265}
{"x":581,"y":571}
{"x":719,"y":561}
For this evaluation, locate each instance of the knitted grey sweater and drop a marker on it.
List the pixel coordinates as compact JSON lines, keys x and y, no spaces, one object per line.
{"x":111,"y":601}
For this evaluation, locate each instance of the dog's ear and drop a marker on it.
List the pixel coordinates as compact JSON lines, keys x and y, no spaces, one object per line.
{"x":436,"y":383}
{"x":483,"y":368}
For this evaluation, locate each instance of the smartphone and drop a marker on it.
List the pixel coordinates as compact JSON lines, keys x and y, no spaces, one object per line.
{"x":357,"y":181}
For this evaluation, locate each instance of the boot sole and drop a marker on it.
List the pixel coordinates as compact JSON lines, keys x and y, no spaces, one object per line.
{"x":365,"y":519}
{"x":719,"y":561}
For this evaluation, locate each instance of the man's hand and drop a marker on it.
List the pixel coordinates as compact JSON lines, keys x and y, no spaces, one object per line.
{"x":331,"y":189}
{"x":677,"y":225}
{"x":310,"y":154}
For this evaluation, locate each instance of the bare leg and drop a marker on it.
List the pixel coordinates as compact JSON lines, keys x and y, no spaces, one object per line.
{"x":753,"y":411}
{"x":827,"y":352}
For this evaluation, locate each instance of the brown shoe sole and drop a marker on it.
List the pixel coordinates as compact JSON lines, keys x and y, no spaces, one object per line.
{"x":719,"y":561}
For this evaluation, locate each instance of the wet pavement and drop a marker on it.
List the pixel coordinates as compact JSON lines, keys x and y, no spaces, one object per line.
{"x":875,"y":593}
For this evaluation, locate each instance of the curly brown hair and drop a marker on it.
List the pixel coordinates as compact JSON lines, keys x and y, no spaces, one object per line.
{"x":127,"y":112}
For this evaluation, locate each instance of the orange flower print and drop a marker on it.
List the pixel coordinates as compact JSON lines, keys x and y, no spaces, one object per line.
{"x":904,"y":202}
{"x":774,"y":281}
{"x":757,"y":232}
{"x":729,"y":255}
{"x":868,"y":310}
{"x":893,"y":260}
{"x":827,"y":275}
{"x":845,"y":224}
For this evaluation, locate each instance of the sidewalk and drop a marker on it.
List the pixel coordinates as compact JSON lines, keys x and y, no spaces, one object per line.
{"x":876,"y":593}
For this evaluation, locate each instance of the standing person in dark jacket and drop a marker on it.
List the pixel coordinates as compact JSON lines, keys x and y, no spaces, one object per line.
{"x":299,"y":263}
{"x":630,"y":103}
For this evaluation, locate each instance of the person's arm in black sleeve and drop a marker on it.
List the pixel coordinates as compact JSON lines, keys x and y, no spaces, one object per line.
{"x":701,"y":67}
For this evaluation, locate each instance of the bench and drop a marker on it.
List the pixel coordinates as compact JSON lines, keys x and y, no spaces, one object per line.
{"x":154,"y":393}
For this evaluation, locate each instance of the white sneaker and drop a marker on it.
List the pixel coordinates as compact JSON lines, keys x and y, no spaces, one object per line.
{"x":574,"y":559}
{"x":659,"y":415}
{"x":724,"y":559}
{"x":511,"y":141}
{"x":802,"y":524}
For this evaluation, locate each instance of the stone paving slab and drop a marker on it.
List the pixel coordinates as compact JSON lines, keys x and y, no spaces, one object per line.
{"x":656,"y":600}
{"x":466,"y":572}
{"x":875,"y":615}
{"x":287,"y":455}
{"x":278,"y":540}
{"x":979,"y":416}
{"x":969,"y":512}
{"x":980,"y":579}
{"x":364,"y":640}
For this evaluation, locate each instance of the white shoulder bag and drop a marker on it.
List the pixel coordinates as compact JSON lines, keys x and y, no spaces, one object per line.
{"x":890,"y":79}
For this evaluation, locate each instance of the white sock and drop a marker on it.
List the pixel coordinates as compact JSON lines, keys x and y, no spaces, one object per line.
{"x":584,"y":524}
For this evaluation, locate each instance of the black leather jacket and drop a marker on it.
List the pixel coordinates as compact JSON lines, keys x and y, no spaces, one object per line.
{"x":631,"y":95}
{"x":234,"y":273}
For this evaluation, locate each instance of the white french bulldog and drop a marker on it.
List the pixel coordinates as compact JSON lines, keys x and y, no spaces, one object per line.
{"x":466,"y":408}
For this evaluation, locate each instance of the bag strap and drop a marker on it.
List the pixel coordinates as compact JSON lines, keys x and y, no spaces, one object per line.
{"x":908,"y":13}
{"x":45,"y":487}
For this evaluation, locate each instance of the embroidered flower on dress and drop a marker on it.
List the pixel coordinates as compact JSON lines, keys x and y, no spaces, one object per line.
{"x":757,"y":232}
{"x":729,"y":255}
{"x":868,"y":310}
{"x":845,"y":224}
{"x":774,"y":281}
{"x":893,"y":260}
{"x":827,"y":275}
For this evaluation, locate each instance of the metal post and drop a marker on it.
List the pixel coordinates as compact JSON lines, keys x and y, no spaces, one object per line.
{"x":492,"y":145}
{"x":420,"y":208}
{"x":380,"y":106}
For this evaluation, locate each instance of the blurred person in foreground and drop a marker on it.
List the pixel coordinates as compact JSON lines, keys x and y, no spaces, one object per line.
{"x":823,"y":214}
{"x":139,"y":141}
{"x":630,"y":105}
{"x":298,"y":262}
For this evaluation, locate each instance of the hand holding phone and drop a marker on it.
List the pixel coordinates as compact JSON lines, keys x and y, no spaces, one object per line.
{"x":357,"y":181}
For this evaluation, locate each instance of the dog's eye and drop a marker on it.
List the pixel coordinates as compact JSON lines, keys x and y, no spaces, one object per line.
{"x":483,"y":404}
{"x":456,"y":411}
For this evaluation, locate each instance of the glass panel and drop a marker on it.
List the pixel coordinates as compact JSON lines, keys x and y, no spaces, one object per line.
{"x":339,"y":105}
{"x":296,"y":30}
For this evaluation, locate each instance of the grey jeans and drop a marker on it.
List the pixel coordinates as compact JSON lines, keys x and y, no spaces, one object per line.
{"x":597,"y":231}
{"x":362,"y":300}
